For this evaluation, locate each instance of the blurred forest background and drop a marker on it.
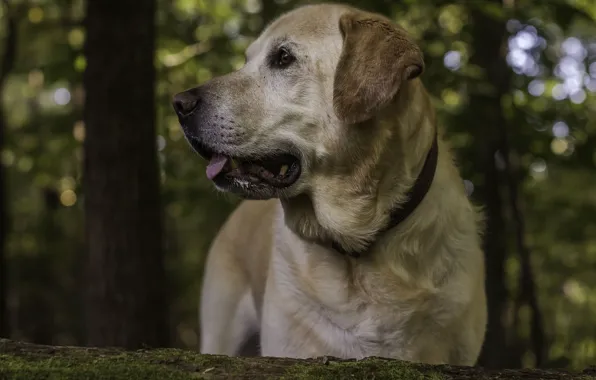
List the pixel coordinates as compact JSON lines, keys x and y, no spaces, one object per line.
{"x":115,"y":256}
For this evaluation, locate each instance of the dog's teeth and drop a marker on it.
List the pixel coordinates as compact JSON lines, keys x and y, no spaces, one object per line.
{"x":233,"y":163}
{"x":283,"y":170}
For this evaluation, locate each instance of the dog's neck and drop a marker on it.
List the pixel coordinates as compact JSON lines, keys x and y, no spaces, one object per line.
{"x":351,"y":221}
{"x":414,"y":197}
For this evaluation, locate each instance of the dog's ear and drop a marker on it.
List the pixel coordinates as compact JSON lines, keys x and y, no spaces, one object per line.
{"x":377,"y":57}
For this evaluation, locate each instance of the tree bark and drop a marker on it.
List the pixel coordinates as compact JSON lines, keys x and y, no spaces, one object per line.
{"x":125,"y":301}
{"x":32,"y":362}
{"x":488,"y":53}
{"x":8,"y":60}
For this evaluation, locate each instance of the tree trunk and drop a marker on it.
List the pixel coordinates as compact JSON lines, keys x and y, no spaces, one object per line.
{"x":4,"y":326}
{"x":8,"y":60}
{"x":28,"y":361}
{"x":488,"y":53}
{"x":126,"y":302}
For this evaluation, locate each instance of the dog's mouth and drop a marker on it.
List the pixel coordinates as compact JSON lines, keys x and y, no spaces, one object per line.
{"x":277,"y":170}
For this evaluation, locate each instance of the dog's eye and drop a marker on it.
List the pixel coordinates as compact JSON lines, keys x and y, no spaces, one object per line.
{"x":283,"y":58}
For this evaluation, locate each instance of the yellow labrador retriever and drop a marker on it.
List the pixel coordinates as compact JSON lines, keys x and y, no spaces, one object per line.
{"x":357,"y":238}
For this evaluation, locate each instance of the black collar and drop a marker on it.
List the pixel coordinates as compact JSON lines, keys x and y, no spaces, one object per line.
{"x":415,"y":196}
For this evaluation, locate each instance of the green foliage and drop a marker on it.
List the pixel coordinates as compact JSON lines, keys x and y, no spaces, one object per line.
{"x":200,"y":39}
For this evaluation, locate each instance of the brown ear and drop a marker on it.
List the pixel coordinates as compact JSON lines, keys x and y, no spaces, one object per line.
{"x":377,"y":57}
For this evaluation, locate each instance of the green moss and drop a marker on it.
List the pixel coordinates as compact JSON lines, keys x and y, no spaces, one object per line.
{"x":364,"y":369}
{"x":82,"y":363}
{"x":170,"y":364}
{"x":61,"y":368}
{"x":37,"y":362}
{"x":21,"y":361}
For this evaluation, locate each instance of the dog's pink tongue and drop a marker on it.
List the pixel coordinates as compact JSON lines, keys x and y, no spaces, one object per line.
{"x":216,"y":165}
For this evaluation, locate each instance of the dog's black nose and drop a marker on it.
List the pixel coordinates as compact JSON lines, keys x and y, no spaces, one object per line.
{"x":185,"y":103}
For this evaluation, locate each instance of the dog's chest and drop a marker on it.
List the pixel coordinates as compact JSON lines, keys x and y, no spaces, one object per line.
{"x":326,"y":313}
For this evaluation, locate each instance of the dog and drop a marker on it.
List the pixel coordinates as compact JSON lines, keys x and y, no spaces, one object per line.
{"x":355,"y":237}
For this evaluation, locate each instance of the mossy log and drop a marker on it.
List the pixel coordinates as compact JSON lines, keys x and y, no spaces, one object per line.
{"x":33,"y":362}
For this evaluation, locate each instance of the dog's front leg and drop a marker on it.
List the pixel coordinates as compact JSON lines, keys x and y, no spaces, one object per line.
{"x":228,"y":316}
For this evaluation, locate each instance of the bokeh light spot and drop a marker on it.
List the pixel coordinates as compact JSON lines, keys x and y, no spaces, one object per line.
{"x":68,"y":198}
{"x":62,"y":96}
{"x":452,"y":60}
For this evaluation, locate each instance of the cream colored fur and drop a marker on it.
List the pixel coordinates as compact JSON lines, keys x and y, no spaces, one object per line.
{"x":417,"y":295}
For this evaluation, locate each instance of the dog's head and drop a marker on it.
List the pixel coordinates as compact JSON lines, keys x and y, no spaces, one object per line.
{"x":293,"y":111}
